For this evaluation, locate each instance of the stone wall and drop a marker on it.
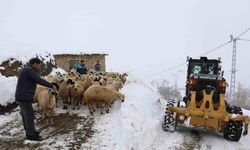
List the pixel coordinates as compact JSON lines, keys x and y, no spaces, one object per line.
{"x":63,"y":60}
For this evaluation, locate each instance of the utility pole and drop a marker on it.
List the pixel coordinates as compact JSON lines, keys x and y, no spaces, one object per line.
{"x":233,"y":70}
{"x":175,"y":81}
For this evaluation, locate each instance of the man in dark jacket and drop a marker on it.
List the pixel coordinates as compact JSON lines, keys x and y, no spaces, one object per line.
{"x":25,"y":90}
{"x":97,"y":66}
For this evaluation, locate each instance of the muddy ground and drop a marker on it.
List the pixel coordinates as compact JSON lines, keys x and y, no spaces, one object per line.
{"x":68,"y":132}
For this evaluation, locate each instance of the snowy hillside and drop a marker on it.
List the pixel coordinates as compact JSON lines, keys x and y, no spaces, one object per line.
{"x":132,"y":125}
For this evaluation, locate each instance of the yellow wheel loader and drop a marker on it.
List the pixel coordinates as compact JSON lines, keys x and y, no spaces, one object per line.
{"x":204,"y":103}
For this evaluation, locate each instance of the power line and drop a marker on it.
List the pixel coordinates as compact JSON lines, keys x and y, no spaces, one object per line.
{"x":172,"y":68}
{"x":222,"y":45}
{"x":243,"y":32}
{"x":244,"y":39}
{"x":210,"y":51}
{"x":166,"y":70}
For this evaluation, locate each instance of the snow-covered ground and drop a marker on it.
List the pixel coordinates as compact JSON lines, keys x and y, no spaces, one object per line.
{"x":7,"y":89}
{"x":135,"y":125}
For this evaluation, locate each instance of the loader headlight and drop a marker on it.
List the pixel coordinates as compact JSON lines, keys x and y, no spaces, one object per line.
{"x":181,"y":117}
{"x":222,"y":84}
{"x":192,"y":82}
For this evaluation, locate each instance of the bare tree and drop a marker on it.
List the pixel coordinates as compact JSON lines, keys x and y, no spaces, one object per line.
{"x":166,"y":90}
{"x":242,"y":97}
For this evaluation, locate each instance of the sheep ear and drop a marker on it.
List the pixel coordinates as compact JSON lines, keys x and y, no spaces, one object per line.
{"x":54,"y":93}
{"x":69,"y":81}
{"x":62,"y":81}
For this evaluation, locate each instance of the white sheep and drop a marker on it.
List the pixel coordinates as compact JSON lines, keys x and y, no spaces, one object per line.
{"x":47,"y":103}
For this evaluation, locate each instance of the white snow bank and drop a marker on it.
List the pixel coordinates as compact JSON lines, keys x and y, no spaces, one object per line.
{"x":134,"y":124}
{"x":24,"y":58}
{"x":55,"y":71}
{"x":246,"y":112}
{"x":7,"y":89}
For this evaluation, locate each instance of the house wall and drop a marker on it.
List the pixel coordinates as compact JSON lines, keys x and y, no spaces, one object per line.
{"x":90,"y":60}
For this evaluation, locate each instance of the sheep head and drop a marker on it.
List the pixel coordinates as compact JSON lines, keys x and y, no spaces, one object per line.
{"x":121,"y":97}
{"x":70,"y":82}
{"x":52,"y":92}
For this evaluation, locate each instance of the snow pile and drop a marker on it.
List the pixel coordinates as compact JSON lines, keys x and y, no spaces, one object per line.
{"x":246,"y":112}
{"x":134,"y":124}
{"x":7,"y":89}
{"x":46,"y":56}
{"x":56,"y":71}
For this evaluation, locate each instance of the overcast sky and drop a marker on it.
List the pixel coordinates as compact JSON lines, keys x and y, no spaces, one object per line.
{"x":140,"y":36}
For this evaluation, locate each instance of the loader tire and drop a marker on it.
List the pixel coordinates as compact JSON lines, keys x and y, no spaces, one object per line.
{"x":169,"y":120}
{"x":234,"y":129}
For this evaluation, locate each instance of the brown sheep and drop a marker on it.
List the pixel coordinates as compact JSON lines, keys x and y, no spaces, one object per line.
{"x":76,"y":92}
{"x":101,"y":95}
{"x":39,"y":88}
{"x":113,"y":87}
{"x":64,"y":92}
{"x":47,"y":103}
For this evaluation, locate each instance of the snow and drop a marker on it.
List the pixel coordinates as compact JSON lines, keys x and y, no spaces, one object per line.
{"x":56,"y":71}
{"x":246,"y":112}
{"x":24,"y":58}
{"x":135,"y":124}
{"x":7,"y":89}
{"x":8,"y":117}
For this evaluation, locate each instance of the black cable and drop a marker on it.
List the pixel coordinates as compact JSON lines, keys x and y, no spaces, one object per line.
{"x":172,"y":68}
{"x":243,"y":33}
{"x":244,"y":39}
{"x":222,"y":45}
{"x":166,"y":70}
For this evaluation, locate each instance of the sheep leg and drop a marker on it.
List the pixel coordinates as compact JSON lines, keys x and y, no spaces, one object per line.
{"x":64,"y":103}
{"x":102,"y":108}
{"x":47,"y":117}
{"x":90,"y":110}
{"x":74,"y":103}
{"x":69,"y":100}
{"x":107,"y":107}
{"x":50,"y":117}
{"x":84,"y":103}
{"x":77,"y":104}
{"x":93,"y":108}
{"x":56,"y":102}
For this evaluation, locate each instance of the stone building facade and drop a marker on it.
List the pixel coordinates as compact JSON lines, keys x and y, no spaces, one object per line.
{"x":68,"y":61}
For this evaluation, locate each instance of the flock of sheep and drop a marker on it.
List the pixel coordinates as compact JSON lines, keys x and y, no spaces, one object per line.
{"x":94,"y":89}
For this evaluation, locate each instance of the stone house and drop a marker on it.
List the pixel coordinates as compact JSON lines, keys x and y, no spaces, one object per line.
{"x":68,"y":61}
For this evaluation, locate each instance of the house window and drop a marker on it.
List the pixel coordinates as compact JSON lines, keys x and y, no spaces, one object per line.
{"x":72,"y":64}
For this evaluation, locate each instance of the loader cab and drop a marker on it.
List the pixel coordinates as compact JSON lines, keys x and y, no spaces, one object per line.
{"x":203,"y":73}
{"x":203,"y":66}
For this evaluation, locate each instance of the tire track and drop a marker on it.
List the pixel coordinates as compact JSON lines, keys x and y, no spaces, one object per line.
{"x":192,"y":140}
